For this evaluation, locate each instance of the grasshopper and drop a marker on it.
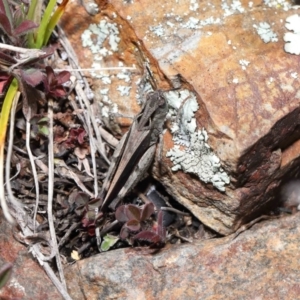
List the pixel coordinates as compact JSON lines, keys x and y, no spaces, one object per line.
{"x":135,"y":151}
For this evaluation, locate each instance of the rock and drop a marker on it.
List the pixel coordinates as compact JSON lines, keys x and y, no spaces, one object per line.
{"x":28,"y":281}
{"x":231,"y":57}
{"x":261,"y":263}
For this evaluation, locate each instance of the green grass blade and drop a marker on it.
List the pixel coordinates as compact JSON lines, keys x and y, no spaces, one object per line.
{"x":54,"y":20}
{"x":34,"y":14}
{"x":39,"y":42}
{"x":6,"y":107}
{"x":32,"y":10}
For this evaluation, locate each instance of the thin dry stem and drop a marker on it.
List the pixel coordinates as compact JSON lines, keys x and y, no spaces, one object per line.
{"x":84,"y":102}
{"x":28,"y":52}
{"x":24,"y":223}
{"x":50,"y":191}
{"x":93,"y":69}
{"x":34,"y":172}
{"x":93,"y":151}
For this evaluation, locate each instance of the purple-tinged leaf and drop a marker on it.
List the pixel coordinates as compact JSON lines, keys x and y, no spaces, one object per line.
{"x":81,"y":136}
{"x":148,"y":236}
{"x":5,"y":9}
{"x":124,"y":233}
{"x":120,"y":214}
{"x":63,"y":77}
{"x":5,"y":79}
{"x":147,"y":211}
{"x":2,"y":9}
{"x":31,"y":96}
{"x":133,"y":212}
{"x":3,"y":85}
{"x":58,"y":92}
{"x":5,"y":273}
{"x":5,"y":24}
{"x":25,"y":27}
{"x":33,"y":77}
{"x":54,"y":82}
{"x":133,"y":225}
{"x":50,"y":74}
{"x":161,"y":230}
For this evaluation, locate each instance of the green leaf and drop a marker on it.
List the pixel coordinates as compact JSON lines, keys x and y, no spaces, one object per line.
{"x":5,"y":273}
{"x":54,"y":20}
{"x":5,"y":111}
{"x":43,"y":130}
{"x":108,"y":242}
{"x":38,"y":43}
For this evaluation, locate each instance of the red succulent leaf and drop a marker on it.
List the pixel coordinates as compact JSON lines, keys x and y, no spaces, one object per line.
{"x":91,"y":230}
{"x":76,"y":137}
{"x":88,"y":219}
{"x":5,"y":24}
{"x":50,"y":75}
{"x":124,"y":233}
{"x":25,"y":27}
{"x":53,"y":85}
{"x":89,"y":223}
{"x":120,"y":214}
{"x":2,"y":8}
{"x":148,"y":236}
{"x":147,"y":211}
{"x":133,"y":225}
{"x":4,"y":81}
{"x":2,"y":86}
{"x":133,"y":212}
{"x":85,"y":222}
{"x":63,"y":77}
{"x":5,"y":9}
{"x":58,"y":92}
{"x":31,"y":96}
{"x":81,"y":136}
{"x":33,"y":77}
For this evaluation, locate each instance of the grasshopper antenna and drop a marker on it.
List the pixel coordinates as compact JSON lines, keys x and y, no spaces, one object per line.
{"x":151,"y":78}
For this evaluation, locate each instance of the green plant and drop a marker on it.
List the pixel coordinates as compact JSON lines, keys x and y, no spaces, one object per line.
{"x":108,"y":242}
{"x":20,"y":70}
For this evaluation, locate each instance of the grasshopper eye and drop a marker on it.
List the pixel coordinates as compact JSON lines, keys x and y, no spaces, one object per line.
{"x":161,"y":98}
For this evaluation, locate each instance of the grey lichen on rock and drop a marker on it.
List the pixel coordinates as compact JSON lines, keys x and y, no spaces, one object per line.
{"x":191,"y":152}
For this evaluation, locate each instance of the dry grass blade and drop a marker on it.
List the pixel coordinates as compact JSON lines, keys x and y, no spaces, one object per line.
{"x":25,"y":224}
{"x":34,"y":172}
{"x":93,"y":151}
{"x":50,"y":191}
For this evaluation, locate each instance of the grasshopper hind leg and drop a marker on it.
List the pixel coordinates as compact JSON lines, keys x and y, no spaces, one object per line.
{"x":137,"y":174}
